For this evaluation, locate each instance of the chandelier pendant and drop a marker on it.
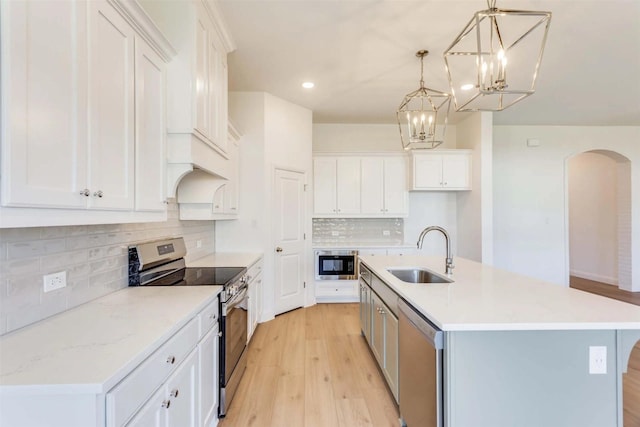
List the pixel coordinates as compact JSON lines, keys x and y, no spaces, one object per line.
{"x":494,"y":41}
{"x":419,"y":113}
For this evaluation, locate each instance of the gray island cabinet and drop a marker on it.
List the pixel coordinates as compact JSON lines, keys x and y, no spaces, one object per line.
{"x":517,"y":351}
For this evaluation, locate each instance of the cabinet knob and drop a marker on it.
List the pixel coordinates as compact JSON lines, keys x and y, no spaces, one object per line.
{"x":166,"y":404}
{"x":171,"y":360}
{"x":98,"y":193}
{"x":174,"y":393}
{"x":212,"y":316}
{"x":85,"y":192}
{"x":278,"y":249}
{"x":445,"y":183}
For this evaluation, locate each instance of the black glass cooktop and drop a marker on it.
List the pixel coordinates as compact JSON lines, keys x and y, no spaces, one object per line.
{"x":200,"y":276}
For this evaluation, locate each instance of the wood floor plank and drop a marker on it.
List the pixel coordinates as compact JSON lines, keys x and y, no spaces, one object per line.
{"x":289,"y":401}
{"x":320,"y":410}
{"x":312,"y":368}
{"x":353,"y":413}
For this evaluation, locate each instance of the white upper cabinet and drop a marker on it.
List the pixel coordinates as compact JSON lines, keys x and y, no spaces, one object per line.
{"x":197,"y":78}
{"x":336,"y":185}
{"x":355,"y":186}
{"x":442,"y":170}
{"x":384,"y":186}
{"x":82,"y":113}
{"x":44,"y":104}
{"x":111,"y":109}
{"x":150,"y":136}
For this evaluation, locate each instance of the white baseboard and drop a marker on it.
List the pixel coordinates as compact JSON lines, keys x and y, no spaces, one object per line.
{"x":337,"y":298}
{"x":595,"y":277}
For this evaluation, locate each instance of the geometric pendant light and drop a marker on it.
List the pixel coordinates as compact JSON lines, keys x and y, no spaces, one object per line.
{"x":423,"y":114}
{"x":494,"y":61}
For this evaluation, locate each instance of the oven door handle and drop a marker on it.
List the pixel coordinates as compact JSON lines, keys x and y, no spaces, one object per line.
{"x":237,"y":299}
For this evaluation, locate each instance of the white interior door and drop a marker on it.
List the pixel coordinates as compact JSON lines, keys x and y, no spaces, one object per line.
{"x":289,"y":240}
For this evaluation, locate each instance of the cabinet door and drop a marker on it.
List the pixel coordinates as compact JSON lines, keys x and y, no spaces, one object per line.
{"x":377,"y":329}
{"x":427,"y":171}
{"x":365,"y":310}
{"x":231,"y":193}
{"x":217,"y":94}
{"x":395,"y":186}
{"x":111,"y":108}
{"x":150,"y":155}
{"x":391,"y":350}
{"x":153,"y":413}
{"x":201,"y":87}
{"x":348,"y":185}
{"x":208,"y":377}
{"x":44,"y":129}
{"x":456,"y":171}
{"x":182,"y":392}
{"x":324,"y":185}
{"x":373,"y":185}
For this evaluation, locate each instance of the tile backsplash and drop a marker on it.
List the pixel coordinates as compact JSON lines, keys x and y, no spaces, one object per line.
{"x":93,"y":256}
{"x":374,"y":231}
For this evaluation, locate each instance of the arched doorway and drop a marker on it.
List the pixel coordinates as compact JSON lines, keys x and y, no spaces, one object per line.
{"x":599,"y":218}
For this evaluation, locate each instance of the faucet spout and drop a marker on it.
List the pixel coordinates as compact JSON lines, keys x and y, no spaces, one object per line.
{"x":449,"y":260}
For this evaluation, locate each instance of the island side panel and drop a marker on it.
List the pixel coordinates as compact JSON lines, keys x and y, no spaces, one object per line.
{"x":529,"y":379}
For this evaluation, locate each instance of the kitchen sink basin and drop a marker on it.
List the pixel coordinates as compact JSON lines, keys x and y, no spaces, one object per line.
{"x":418,"y":275}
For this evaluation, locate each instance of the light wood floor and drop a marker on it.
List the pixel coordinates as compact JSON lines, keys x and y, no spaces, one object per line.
{"x":311,"y":368}
{"x":631,"y":380}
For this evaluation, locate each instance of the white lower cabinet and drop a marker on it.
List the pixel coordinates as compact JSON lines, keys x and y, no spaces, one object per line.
{"x":208,"y":378}
{"x":254,"y":310}
{"x":174,"y":405}
{"x":189,"y":395}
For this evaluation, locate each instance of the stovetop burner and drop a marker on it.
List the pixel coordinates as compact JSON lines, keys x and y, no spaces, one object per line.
{"x":200,"y":276}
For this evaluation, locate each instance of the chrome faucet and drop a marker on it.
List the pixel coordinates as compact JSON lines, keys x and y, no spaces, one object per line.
{"x":449,"y":260}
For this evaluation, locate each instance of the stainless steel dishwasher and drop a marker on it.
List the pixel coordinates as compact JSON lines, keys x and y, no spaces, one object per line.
{"x":420,"y":359}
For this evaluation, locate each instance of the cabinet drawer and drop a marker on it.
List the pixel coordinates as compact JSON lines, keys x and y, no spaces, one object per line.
{"x":131,"y":393}
{"x":207,"y":318}
{"x":254,"y":270}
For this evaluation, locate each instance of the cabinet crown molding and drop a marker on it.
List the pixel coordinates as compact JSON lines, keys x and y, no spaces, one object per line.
{"x":146,"y":28}
{"x":221,"y":26}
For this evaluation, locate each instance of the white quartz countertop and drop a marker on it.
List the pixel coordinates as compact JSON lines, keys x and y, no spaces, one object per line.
{"x":226,"y":259}
{"x":483,"y":298}
{"x":92,"y":347}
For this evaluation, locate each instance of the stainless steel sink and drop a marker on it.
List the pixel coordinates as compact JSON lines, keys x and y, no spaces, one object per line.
{"x":418,"y":275}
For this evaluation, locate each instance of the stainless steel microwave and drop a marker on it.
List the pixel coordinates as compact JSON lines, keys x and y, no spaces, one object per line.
{"x":336,"y":265}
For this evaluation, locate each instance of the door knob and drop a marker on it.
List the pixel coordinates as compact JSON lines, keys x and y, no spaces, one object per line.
{"x":278,"y":249}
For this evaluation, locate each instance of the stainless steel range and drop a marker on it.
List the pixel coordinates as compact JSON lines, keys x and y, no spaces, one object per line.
{"x":161,"y":263}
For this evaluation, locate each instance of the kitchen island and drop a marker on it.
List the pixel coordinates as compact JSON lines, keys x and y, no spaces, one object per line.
{"x":517,"y":349}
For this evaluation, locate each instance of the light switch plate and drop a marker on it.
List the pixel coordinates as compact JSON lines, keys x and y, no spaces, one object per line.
{"x":597,"y":360}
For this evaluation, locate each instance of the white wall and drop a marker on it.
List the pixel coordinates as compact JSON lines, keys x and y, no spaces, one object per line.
{"x":593,"y":217}
{"x":275,"y":133}
{"x":474,"y":208}
{"x":342,"y":137}
{"x":425,"y":208}
{"x":530,"y":225}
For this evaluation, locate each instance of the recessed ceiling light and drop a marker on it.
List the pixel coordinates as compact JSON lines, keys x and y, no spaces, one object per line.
{"x":467,"y":86}
{"x":308,"y":85}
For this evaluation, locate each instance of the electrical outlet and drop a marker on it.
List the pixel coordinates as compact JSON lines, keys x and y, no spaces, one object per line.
{"x":55,"y":281}
{"x":198,"y":243}
{"x":597,"y":360}
{"x":386,"y":233}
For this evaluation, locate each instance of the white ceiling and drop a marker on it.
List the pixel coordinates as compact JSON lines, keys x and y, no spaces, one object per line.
{"x":361,"y":55}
